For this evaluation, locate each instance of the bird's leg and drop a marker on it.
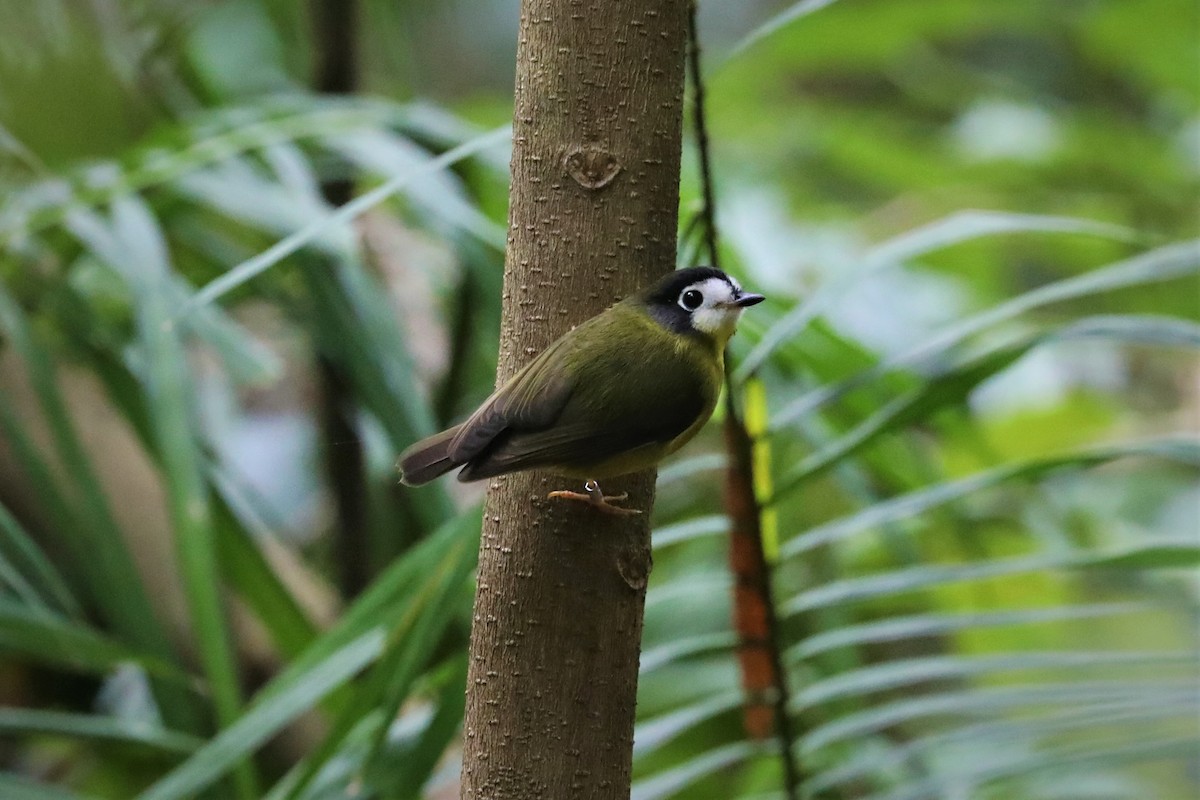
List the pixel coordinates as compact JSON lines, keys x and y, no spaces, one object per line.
{"x":595,"y":498}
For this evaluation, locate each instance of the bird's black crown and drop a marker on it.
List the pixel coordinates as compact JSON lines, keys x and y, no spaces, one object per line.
{"x":667,"y":290}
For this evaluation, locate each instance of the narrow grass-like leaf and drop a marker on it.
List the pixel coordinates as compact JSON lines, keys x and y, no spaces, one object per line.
{"x":889,"y":675}
{"x":669,"y":783}
{"x":1117,"y":714}
{"x":437,"y":193}
{"x":381,"y":600}
{"x":389,"y":591}
{"x":32,"y":461}
{"x":1156,"y":266}
{"x":420,"y":623}
{"x":1186,"y":451}
{"x":700,"y":527}
{"x":439,"y":129}
{"x":403,"y":770}
{"x":26,"y":721}
{"x":918,"y":403}
{"x":43,"y":584}
{"x":51,"y":640}
{"x":251,"y":268}
{"x":951,"y":386}
{"x":170,"y":395}
{"x":678,"y":649}
{"x":1059,"y":760}
{"x":987,"y":702}
{"x":107,"y":549}
{"x":651,"y":734}
{"x":686,"y":468}
{"x":281,"y":701}
{"x":1167,"y":555}
{"x":802,"y":8}
{"x":911,"y":579}
{"x":199,"y":142}
{"x":14,"y":583}
{"x":412,"y":647}
{"x":245,"y":567}
{"x":960,"y":227}
{"x":83,"y":514}
{"x":362,"y":333}
{"x":344,"y":770}
{"x":246,"y":360}
{"x":699,"y":583}
{"x":936,"y":624}
{"x":19,"y":787}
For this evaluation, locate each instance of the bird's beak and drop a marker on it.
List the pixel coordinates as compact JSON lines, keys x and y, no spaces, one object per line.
{"x":747,"y":299}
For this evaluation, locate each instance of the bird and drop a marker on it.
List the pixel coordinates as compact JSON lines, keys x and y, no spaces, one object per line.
{"x":614,"y":395}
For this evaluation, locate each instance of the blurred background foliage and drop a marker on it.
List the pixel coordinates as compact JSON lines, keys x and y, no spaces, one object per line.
{"x":980,"y":398}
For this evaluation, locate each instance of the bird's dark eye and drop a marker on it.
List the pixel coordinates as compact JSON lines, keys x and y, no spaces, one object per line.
{"x":691,"y":299}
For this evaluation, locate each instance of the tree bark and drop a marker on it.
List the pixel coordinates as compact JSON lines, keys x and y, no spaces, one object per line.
{"x":593,"y":212}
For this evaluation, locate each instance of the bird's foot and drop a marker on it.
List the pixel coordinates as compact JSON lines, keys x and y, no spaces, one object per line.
{"x":594,"y":497}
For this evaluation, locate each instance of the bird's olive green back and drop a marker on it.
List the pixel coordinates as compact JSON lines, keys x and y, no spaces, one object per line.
{"x":618,"y":382}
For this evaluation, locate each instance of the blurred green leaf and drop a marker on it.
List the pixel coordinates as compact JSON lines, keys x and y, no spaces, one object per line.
{"x":911,"y":579}
{"x":975,"y":702}
{"x":992,"y":733}
{"x":278,"y":703}
{"x":799,"y":9}
{"x":670,"y":782}
{"x":285,"y":247}
{"x":419,"y":624}
{"x":51,"y":640}
{"x":1168,"y":555}
{"x":145,"y":266}
{"x":903,"y":674}
{"x":962,"y":226}
{"x":950,"y":385}
{"x":25,"y":721}
{"x":1186,"y":451}
{"x":248,"y":572}
{"x":16,"y":787}
{"x":402,"y":769}
{"x":652,"y":734}
{"x":96,"y":539}
{"x":29,"y":572}
{"x":1163,"y":264}
{"x":940,"y":624}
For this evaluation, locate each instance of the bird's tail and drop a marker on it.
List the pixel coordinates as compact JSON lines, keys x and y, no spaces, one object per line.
{"x":428,"y":458}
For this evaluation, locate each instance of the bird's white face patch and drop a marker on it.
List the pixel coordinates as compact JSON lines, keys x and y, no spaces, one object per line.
{"x":712,"y":304}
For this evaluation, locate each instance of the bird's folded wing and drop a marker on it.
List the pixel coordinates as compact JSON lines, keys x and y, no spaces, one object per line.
{"x":531,"y":400}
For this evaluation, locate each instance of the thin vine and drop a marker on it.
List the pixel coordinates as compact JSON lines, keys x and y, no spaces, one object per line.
{"x":763,"y":676}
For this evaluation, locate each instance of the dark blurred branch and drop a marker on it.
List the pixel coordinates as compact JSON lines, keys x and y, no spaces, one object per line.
{"x":335,"y":25}
{"x":335,"y":37}
{"x":763,"y":678}
{"x":462,"y":336}
{"x":708,"y":211}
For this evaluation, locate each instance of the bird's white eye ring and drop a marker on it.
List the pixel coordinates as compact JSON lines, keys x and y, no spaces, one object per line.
{"x":691,"y":299}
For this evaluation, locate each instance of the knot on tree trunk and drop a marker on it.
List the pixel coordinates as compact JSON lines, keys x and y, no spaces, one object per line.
{"x":592,"y":166}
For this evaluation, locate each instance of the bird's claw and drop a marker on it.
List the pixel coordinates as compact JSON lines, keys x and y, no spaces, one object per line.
{"x":594,"y":497}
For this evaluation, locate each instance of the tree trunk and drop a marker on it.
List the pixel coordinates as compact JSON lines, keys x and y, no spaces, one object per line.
{"x":593,"y":214}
